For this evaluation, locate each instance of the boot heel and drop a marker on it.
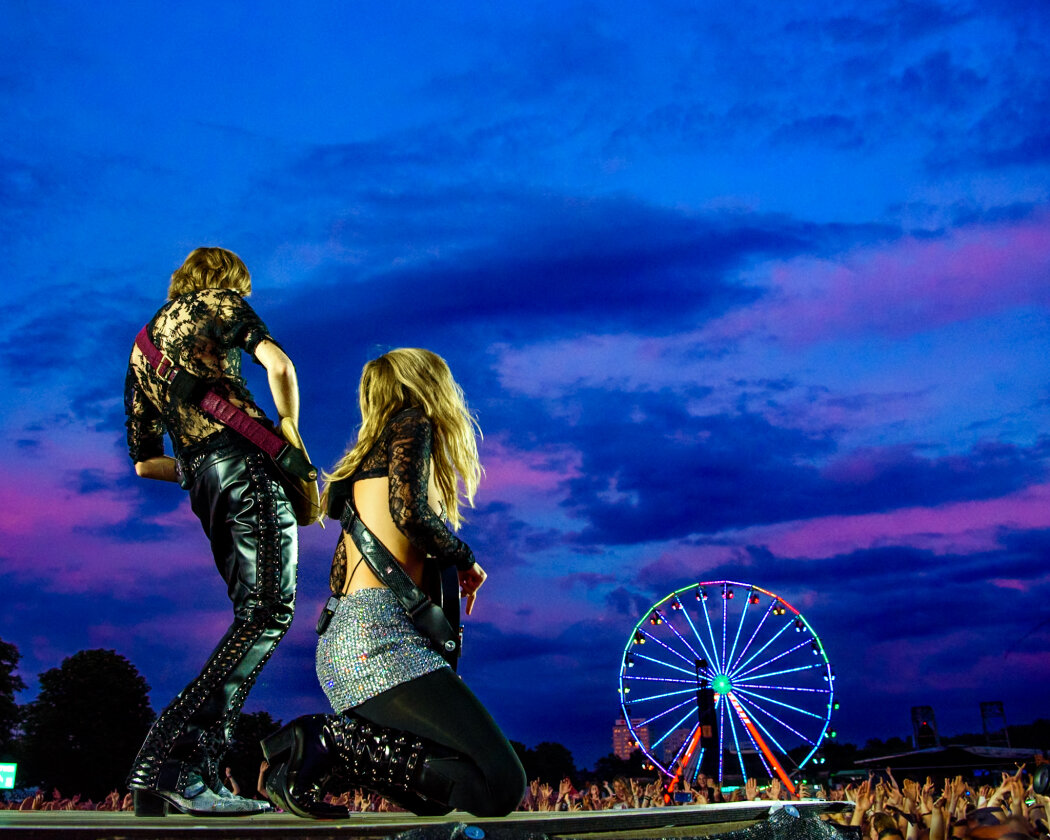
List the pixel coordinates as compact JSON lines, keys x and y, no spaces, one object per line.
{"x":148,"y":804}
{"x":276,"y":745}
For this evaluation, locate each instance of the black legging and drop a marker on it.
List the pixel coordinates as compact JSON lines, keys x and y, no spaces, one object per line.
{"x":488,"y":779}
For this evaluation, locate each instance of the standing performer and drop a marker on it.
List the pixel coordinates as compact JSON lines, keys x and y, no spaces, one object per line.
{"x":191,"y":346}
{"x":405,"y":726}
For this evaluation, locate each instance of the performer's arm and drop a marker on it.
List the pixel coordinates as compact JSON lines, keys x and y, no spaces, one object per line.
{"x":280,"y":373}
{"x":410,"y":449}
{"x":161,"y":468}
{"x":145,"y":434}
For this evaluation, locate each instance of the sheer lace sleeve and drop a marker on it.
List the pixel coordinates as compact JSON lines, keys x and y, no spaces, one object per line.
{"x":238,"y":324}
{"x":410,"y":448}
{"x":145,"y":429}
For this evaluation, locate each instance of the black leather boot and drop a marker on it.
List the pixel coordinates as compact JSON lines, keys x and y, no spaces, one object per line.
{"x":300,"y":756}
{"x":316,"y":753}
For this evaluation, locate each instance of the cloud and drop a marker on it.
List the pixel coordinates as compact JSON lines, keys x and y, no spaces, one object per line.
{"x":910,"y":286}
{"x":654,"y":468}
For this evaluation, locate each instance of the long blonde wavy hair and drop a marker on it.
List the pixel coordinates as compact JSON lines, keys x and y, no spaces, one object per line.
{"x":413,"y":377}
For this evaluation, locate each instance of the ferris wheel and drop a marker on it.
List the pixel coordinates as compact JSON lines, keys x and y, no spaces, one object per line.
{"x":728,"y":679}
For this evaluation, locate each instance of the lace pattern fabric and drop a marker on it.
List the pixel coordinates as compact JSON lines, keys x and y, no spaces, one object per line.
{"x":403,"y":453}
{"x":204,"y":333}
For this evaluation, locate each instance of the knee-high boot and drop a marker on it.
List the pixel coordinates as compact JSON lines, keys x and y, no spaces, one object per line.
{"x":319,"y":753}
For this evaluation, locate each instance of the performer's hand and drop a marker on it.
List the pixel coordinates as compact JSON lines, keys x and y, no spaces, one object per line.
{"x":470,"y":581}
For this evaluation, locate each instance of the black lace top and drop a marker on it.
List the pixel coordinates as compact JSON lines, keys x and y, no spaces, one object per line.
{"x":402,"y":453}
{"x":204,"y":333}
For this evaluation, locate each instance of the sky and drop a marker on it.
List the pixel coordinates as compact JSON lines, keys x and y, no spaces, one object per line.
{"x":753,"y":291}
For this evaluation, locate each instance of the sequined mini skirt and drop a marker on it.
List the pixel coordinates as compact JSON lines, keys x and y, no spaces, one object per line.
{"x":370,"y":646}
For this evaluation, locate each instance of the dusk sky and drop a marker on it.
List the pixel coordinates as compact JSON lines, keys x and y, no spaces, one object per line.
{"x":756,"y":291}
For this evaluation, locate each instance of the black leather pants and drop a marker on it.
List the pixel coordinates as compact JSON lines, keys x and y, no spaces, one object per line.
{"x":249,"y":521}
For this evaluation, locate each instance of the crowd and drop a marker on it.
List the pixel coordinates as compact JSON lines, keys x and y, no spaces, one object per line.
{"x":39,"y":802}
{"x":882,"y":808}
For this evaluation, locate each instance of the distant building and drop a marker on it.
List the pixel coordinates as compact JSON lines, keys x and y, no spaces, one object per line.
{"x":673,"y":743}
{"x":624,"y":742}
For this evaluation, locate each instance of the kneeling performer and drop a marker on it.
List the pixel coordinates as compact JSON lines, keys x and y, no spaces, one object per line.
{"x":405,"y":726}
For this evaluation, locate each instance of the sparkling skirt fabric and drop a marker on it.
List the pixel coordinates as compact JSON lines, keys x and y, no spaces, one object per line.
{"x":370,"y":646}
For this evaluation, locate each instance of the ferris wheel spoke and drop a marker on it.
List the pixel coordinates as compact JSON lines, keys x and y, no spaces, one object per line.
{"x":763,"y":747}
{"x":739,"y":628}
{"x":674,"y":727}
{"x":756,"y":696}
{"x":690,"y":671}
{"x":761,"y":623}
{"x":795,"y":670}
{"x":799,"y":688}
{"x":721,"y":739}
{"x":715,"y":662}
{"x":773,"y":659}
{"x":674,"y":630}
{"x":736,"y":743}
{"x":671,"y":680}
{"x":757,"y":709}
{"x":684,"y":753}
{"x":725,"y":610}
{"x":666,"y":646}
{"x":647,"y":721}
{"x":758,"y":751}
{"x":679,"y":693}
{"x":707,"y":656}
{"x":758,"y":652}
{"x":754,"y":709}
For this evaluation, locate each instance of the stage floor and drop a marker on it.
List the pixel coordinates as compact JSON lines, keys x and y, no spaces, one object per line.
{"x":683,"y":821}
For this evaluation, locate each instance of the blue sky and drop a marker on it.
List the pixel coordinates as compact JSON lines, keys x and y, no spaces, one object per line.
{"x":756,"y":292}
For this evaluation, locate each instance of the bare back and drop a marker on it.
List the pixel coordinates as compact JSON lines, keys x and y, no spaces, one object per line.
{"x":395,"y":494}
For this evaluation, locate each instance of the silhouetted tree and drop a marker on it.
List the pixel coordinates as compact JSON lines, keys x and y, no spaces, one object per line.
{"x":10,"y":682}
{"x":549,"y":762}
{"x":607,"y":768}
{"x":86,"y":725}
{"x":245,"y":755}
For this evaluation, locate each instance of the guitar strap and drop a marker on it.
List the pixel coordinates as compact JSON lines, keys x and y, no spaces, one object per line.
{"x":184,"y":385}
{"x":425,"y":614}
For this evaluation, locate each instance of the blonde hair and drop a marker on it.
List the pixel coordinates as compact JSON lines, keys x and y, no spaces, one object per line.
{"x":412,"y":377}
{"x":211,"y":268}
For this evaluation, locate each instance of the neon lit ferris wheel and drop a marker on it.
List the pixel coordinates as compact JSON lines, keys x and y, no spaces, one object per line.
{"x":728,"y":679}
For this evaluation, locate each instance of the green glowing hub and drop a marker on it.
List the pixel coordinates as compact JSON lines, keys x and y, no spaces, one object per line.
{"x":722,"y":684}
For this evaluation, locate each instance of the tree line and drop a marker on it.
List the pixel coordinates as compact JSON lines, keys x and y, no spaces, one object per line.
{"x":83,"y":730}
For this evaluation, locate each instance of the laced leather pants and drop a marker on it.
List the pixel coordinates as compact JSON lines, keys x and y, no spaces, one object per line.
{"x":249,"y":521}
